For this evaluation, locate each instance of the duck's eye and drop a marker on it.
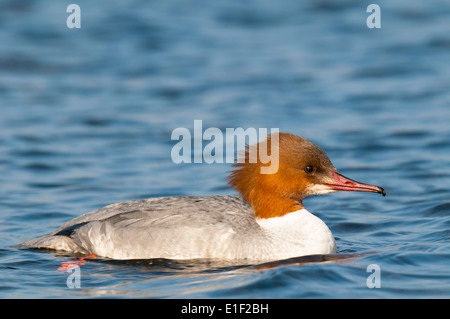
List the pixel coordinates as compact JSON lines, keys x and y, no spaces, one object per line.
{"x":309,"y":169}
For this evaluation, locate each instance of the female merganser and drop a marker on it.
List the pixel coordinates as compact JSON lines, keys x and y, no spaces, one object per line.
{"x":267,"y":222}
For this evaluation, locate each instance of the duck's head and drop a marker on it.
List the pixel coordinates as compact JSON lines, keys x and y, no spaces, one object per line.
{"x":304,"y":169}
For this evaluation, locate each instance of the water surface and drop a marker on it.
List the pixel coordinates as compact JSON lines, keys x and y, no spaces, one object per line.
{"x":87,"y":115}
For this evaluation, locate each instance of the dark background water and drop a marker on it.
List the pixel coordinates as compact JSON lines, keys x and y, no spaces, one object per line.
{"x":87,"y":115}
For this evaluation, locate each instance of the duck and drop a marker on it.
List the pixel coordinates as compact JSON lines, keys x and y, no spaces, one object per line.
{"x":265,"y":221}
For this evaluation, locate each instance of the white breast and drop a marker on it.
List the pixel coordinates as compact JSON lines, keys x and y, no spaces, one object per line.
{"x":298,"y":233}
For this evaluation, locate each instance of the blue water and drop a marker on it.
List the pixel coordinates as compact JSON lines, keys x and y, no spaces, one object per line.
{"x":87,"y":115}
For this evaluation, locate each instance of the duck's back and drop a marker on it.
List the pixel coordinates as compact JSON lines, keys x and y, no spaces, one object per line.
{"x":178,"y":227}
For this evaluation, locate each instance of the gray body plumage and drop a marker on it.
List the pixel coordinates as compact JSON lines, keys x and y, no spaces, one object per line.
{"x":162,"y":227}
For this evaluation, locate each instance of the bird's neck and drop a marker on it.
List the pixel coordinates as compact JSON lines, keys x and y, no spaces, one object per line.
{"x":269,"y":205}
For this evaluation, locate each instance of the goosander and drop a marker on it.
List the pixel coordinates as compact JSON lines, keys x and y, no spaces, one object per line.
{"x":266,"y":222}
